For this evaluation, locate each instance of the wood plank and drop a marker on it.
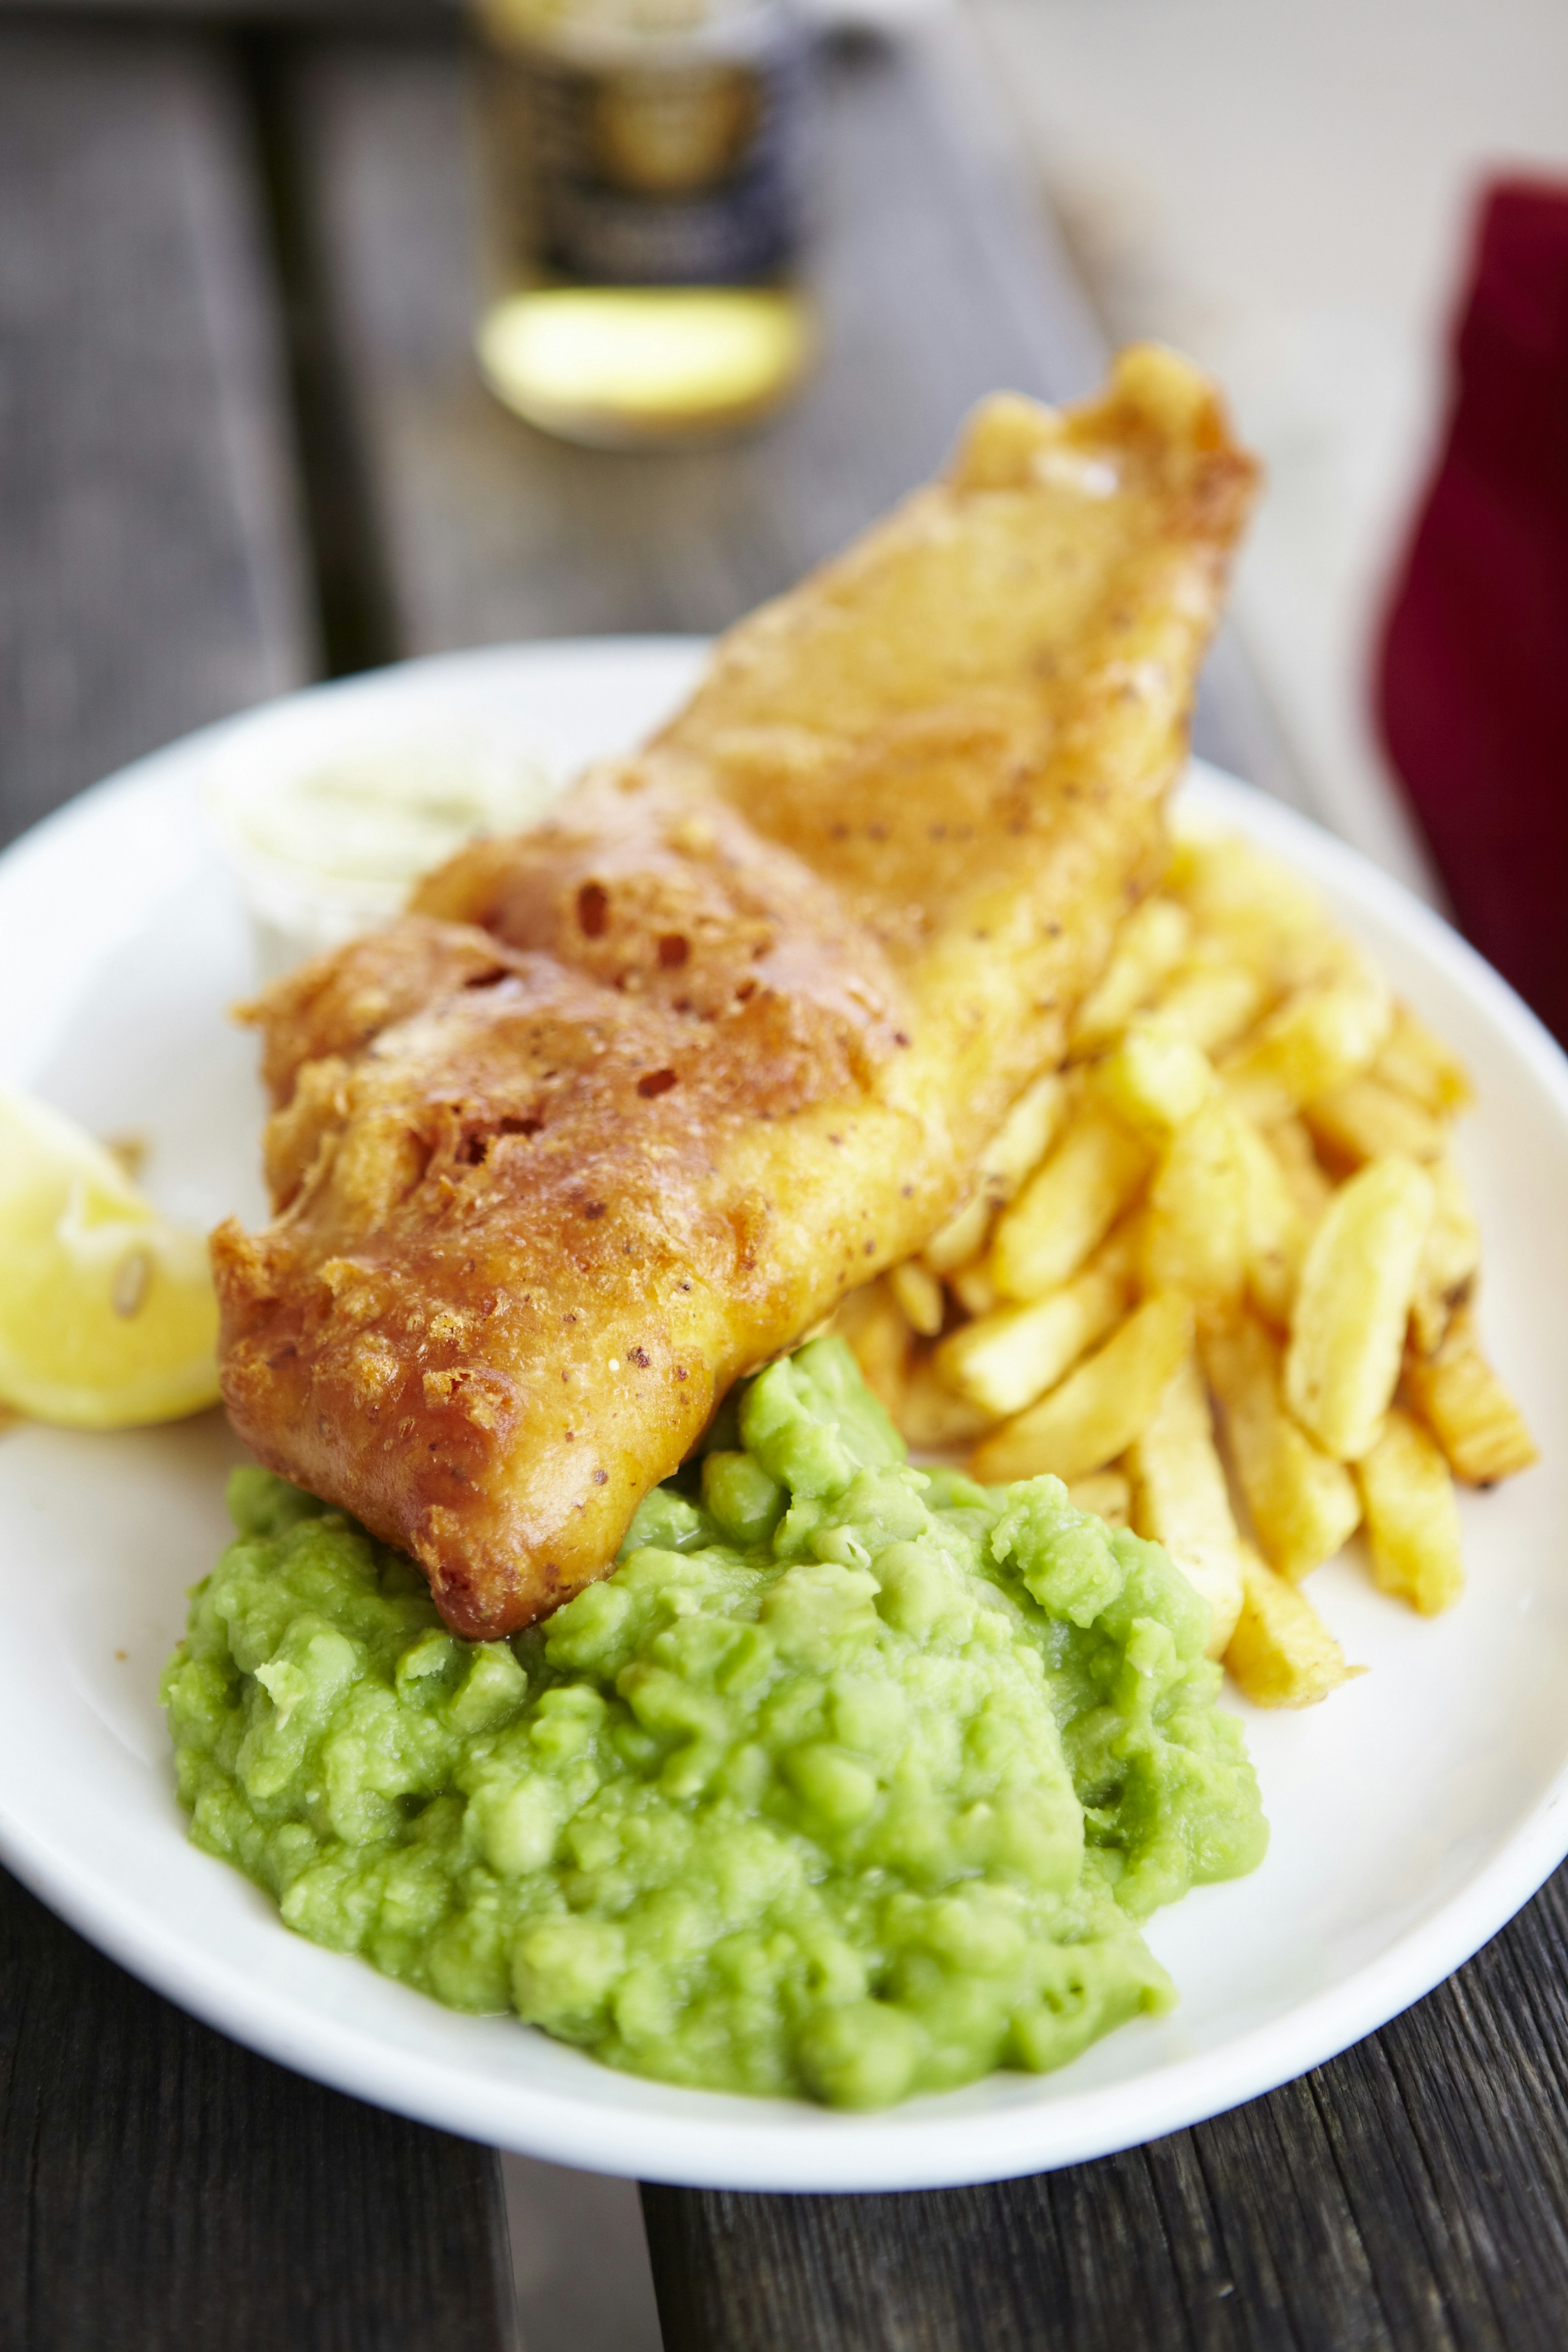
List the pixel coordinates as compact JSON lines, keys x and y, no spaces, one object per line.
{"x":152,"y":575}
{"x":159,"y":2187}
{"x":372,"y":16}
{"x":163,"y":2191}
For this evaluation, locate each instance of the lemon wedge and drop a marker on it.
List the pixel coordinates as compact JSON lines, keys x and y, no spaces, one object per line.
{"x":107,"y":1312}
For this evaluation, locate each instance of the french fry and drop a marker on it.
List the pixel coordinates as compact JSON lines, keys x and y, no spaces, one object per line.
{"x":1281,"y":1652}
{"x":1152,"y":941}
{"x":1311,"y":1188}
{"x":1255,"y":1141}
{"x":1468,"y":1409}
{"x":878,"y":1337}
{"x":1106,"y":1494}
{"x":1195,"y":1224}
{"x":1180,"y":1498}
{"x":1449,"y":1261}
{"x":972,"y":1288}
{"x":918,"y":1295}
{"x":1420,"y":1065}
{"x":1275,"y":1231}
{"x":1019,"y":1145}
{"x":931,"y":1419}
{"x":1003,"y":1360}
{"x":1353,"y":1302}
{"x":1068,"y":1205}
{"x":1366,"y":1120}
{"x":1099,"y":1409}
{"x":1238,"y":894}
{"x":1210,"y":1001}
{"x":963,"y":1237}
{"x":1412,"y":1520}
{"x":1154,"y":1079}
{"x":1325,"y":1033}
{"x":1303,"y":1505}
{"x":1118,"y":1253}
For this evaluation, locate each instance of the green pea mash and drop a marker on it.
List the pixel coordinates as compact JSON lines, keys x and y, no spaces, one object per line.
{"x":853,"y":1780}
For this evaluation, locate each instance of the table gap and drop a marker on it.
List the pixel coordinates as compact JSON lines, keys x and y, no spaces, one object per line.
{"x":343,"y":543}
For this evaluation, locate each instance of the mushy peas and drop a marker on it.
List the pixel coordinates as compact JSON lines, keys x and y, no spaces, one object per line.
{"x":853,"y":1780}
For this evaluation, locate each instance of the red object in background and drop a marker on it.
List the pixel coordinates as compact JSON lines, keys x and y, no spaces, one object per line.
{"x":1473,"y":684}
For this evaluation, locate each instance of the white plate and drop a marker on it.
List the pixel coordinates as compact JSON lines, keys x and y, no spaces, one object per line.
{"x":1412,"y":1814}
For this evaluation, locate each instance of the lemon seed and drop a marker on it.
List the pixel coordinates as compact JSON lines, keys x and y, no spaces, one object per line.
{"x":132,"y":1277}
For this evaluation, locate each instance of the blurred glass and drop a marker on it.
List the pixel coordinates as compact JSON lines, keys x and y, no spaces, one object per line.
{"x":642,"y":178}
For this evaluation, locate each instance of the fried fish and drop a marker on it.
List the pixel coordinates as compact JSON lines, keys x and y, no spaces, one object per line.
{"x":624,"y":1105}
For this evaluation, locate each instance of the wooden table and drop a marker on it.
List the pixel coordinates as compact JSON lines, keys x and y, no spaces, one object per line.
{"x":242,"y":444}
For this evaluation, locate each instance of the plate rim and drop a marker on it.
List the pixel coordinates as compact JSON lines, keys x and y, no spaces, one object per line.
{"x":906,"y":2148}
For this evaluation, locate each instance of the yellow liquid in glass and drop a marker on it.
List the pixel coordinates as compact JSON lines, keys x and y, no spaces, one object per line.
{"x":621,"y":366}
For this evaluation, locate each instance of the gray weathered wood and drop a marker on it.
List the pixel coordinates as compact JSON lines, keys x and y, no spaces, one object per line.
{"x":150,"y":575}
{"x":160,"y":2190}
{"x":356,"y":15}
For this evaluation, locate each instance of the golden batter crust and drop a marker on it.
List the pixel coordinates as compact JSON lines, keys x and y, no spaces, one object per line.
{"x":625,"y":1104}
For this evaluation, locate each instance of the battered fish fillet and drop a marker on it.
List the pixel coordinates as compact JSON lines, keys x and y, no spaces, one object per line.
{"x":624,"y":1105}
